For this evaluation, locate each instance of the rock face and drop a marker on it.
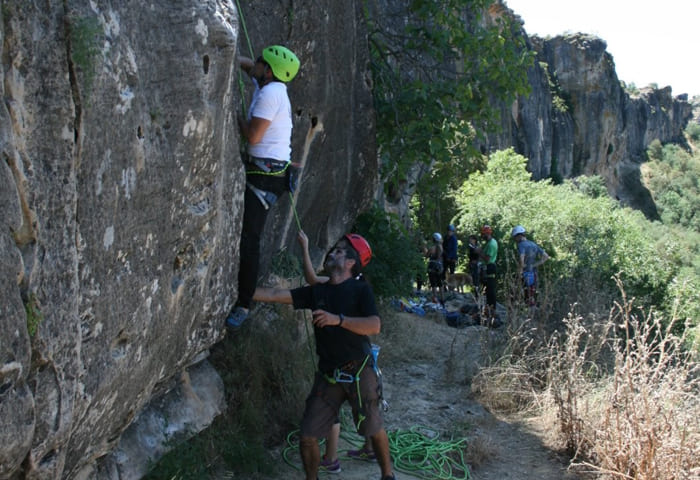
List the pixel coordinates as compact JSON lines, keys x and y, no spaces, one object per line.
{"x":122,"y":186}
{"x":579,"y":119}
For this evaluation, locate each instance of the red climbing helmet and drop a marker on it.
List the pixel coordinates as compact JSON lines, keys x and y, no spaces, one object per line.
{"x":361,"y":247}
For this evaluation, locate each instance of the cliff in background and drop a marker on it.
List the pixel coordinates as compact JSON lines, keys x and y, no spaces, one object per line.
{"x":122,"y":182}
{"x":579,"y":120}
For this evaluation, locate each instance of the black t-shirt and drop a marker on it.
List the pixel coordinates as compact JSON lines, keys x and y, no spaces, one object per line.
{"x":337,"y":346}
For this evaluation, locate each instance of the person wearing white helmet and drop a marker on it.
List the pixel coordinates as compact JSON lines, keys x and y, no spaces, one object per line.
{"x":530,"y":256}
{"x":435,"y":267}
{"x":268,"y":132}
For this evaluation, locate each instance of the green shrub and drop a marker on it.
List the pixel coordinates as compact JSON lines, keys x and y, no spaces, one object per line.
{"x":266,"y":367}
{"x":693,"y":132}
{"x":34,"y":315}
{"x":396,"y":256}
{"x":85,"y":36}
{"x":591,"y":238}
{"x":671,"y":176}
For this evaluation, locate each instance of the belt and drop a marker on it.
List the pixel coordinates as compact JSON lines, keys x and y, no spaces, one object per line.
{"x":351,"y":365}
{"x":269,"y":165}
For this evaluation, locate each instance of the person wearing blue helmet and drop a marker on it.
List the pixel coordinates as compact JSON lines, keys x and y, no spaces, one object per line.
{"x":530,"y":256}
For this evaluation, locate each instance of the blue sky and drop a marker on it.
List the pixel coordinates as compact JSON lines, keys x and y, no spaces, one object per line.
{"x":651,"y":42}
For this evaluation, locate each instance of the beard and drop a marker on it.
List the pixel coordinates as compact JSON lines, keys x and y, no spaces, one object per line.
{"x":332,"y":264}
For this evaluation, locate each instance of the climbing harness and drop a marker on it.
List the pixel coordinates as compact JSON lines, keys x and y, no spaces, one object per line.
{"x":266,"y":198}
{"x":341,"y":375}
{"x":268,"y":166}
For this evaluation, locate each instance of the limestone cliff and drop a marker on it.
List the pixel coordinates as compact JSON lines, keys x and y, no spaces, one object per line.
{"x":121,"y":193}
{"x":580,"y":120}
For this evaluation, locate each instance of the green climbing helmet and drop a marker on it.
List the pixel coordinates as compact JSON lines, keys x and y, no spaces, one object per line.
{"x":282,"y":61}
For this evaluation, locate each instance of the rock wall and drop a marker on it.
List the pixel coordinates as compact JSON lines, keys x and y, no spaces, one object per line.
{"x":580,"y":120}
{"x":121,"y":188}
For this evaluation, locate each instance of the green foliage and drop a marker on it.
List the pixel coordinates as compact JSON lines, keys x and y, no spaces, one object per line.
{"x":436,"y":81}
{"x":587,"y":237}
{"x":655,"y":150}
{"x":266,"y":372}
{"x":34,"y":315}
{"x":560,"y":101}
{"x":593,"y":186}
{"x":693,"y":132}
{"x":396,"y":256}
{"x":85,"y":36}
{"x":286,"y":265}
{"x":631,"y":88}
{"x":672,"y":176}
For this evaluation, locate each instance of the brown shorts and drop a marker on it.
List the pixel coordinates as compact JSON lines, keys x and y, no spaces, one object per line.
{"x":323,"y":405}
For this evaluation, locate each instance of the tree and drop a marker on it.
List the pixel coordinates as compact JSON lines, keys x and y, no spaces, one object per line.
{"x":438,"y":69}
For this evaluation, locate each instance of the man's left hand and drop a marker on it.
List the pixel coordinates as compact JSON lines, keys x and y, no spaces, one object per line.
{"x":322,"y":318}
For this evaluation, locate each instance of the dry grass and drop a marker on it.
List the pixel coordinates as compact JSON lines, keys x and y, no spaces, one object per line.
{"x":481,"y":450}
{"x":625,"y":393}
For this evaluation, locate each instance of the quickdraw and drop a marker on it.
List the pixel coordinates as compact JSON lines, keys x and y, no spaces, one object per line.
{"x":339,"y":376}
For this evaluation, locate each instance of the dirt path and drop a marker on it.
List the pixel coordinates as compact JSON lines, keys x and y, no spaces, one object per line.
{"x":427,"y":369}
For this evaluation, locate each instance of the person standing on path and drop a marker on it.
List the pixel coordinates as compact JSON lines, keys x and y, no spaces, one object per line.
{"x":344,"y":314}
{"x":435,"y":268}
{"x":488,"y":254}
{"x":530,"y":256}
{"x":474,"y":263}
{"x":449,"y":252}
{"x":329,"y":460}
{"x":268,"y":131}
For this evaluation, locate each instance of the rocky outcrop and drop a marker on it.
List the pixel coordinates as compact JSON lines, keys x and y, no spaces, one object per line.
{"x":580,"y":120}
{"x":121,"y":187}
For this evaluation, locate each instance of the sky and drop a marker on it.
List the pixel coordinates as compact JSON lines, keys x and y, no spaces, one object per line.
{"x":651,"y":42}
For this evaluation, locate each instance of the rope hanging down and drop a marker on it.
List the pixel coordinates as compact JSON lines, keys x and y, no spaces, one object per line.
{"x":241,"y":83}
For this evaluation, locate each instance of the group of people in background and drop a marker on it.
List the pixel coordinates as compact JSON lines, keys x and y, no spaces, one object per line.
{"x":442,"y":260}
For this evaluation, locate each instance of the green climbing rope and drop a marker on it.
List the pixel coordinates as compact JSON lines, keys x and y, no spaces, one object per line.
{"x":418,"y":451}
{"x":421,"y":452}
{"x":241,"y":83}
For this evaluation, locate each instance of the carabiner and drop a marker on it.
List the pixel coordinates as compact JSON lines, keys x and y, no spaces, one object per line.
{"x":343,"y":377}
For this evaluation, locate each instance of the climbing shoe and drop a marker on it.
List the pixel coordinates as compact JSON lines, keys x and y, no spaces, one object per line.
{"x":362,"y":454}
{"x":330,"y":466}
{"x":236,"y":318}
{"x":389,"y":477}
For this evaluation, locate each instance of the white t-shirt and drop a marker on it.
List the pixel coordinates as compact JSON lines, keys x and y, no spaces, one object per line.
{"x":272,"y":103}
